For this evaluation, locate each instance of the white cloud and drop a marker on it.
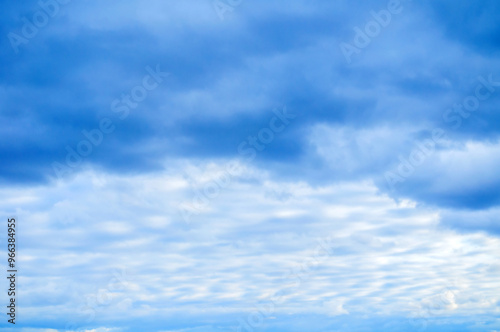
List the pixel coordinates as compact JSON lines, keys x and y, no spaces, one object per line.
{"x":386,"y":258}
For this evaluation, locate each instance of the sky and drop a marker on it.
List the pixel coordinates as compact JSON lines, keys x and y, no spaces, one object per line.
{"x":235,"y":165}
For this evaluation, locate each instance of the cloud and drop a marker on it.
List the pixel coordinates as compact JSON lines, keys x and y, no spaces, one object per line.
{"x":462,"y":176}
{"x":130,"y":254}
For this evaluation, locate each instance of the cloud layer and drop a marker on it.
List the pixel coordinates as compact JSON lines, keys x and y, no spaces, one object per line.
{"x":175,"y":164}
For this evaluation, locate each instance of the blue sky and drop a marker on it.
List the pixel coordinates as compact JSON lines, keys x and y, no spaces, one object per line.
{"x":234,"y":165}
